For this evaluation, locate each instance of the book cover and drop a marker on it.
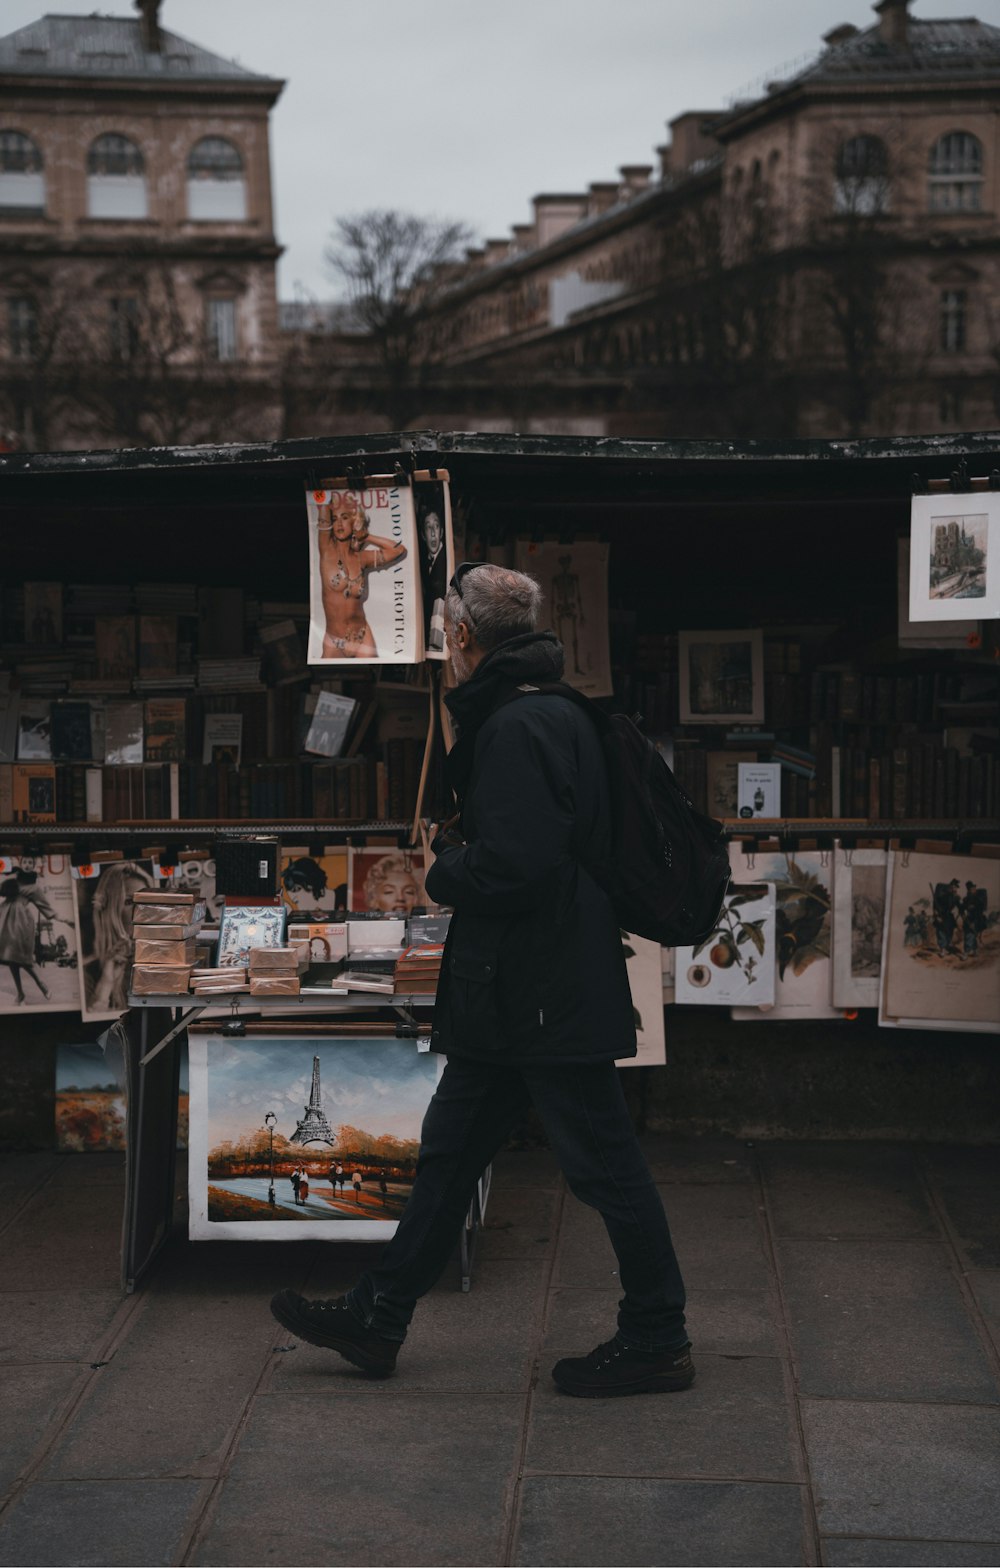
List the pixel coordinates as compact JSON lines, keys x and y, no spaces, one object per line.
{"x":70,"y":731}
{"x":33,"y":792}
{"x":166,"y":729}
{"x":157,"y":645}
{"x":283,"y":655}
{"x":722,"y":781}
{"x":330,"y":722}
{"x":223,"y":740}
{"x":115,"y":643}
{"x":123,"y":734}
{"x":759,"y":791}
{"x":43,"y":614}
{"x":34,"y":730}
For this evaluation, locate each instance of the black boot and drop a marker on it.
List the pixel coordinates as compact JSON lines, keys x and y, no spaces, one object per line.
{"x":334,"y":1326}
{"x":615,"y":1369}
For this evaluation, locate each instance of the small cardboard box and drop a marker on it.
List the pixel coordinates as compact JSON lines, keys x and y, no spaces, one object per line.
{"x":279,"y":960}
{"x":160,"y":979}
{"x":153,"y":951}
{"x":273,"y":984}
{"x":154,"y":912}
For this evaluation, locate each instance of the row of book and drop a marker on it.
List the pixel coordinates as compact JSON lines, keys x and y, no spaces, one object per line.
{"x":366,"y":788}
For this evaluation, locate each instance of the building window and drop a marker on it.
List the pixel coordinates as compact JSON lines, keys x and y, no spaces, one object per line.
{"x":955,"y":178}
{"x":22,"y":327}
{"x":123,"y":327}
{"x":116,"y":179}
{"x":953,"y":322}
{"x":22,"y":180}
{"x":861,"y":183}
{"x":950,"y":407}
{"x":216,"y":189}
{"x":221,"y":322}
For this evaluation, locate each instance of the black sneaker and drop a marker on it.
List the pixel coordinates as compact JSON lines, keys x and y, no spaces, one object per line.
{"x":615,"y":1369}
{"x":334,"y":1326}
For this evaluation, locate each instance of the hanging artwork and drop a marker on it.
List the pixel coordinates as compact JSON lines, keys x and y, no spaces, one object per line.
{"x":436,"y":546}
{"x":364,"y":577}
{"x":38,"y":935}
{"x":858,"y":917}
{"x":924,"y":634}
{"x":387,"y":881}
{"x":574,"y":580}
{"x":645,"y":978}
{"x":941,"y":953}
{"x":244,"y":926}
{"x":339,"y":1157}
{"x":195,"y":874}
{"x":90,"y":1105}
{"x":104,"y":932}
{"x":955,"y":557}
{"x":721,"y":677}
{"x":735,"y":964}
{"x":314,"y":887}
{"x":802,"y":888}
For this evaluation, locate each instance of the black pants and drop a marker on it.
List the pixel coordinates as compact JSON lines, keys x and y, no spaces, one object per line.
{"x":589,"y":1127}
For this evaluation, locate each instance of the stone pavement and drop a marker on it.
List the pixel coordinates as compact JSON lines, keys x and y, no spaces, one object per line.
{"x":845,"y":1309}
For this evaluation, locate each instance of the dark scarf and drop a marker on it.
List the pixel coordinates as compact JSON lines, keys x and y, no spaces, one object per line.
{"x":532,"y":657}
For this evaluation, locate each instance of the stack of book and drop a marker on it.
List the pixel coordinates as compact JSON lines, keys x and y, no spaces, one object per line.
{"x":164,"y":928}
{"x":277,"y":971}
{"x":227,"y":981}
{"x":418,"y":969}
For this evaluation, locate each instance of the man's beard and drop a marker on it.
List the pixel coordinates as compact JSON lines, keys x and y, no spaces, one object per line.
{"x":460,"y":665}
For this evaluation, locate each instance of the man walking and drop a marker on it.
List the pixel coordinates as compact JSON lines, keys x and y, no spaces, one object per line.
{"x":532,"y":1009}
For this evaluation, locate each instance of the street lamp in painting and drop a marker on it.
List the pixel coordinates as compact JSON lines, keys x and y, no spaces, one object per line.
{"x":269,"y":1121}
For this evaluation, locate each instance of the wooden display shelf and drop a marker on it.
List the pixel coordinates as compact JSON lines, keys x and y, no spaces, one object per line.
{"x":200,"y":826}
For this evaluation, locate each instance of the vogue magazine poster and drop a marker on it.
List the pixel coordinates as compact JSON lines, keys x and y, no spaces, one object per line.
{"x":38,"y":940}
{"x":436,"y":547}
{"x":364,"y":575}
{"x":339,"y":1157}
{"x":574,"y":580}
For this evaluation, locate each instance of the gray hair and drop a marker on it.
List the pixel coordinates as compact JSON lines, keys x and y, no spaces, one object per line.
{"x":496,"y":604}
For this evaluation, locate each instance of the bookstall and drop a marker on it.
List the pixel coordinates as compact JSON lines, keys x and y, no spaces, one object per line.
{"x":179,"y":670}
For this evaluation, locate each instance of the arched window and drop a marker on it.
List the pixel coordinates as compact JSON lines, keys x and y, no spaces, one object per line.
{"x":955,"y":174}
{"x":861,"y":184}
{"x":216,"y":188}
{"x":22,"y":180}
{"x":116,"y":179}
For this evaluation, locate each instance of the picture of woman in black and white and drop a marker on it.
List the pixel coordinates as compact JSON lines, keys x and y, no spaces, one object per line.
{"x":430,"y":507}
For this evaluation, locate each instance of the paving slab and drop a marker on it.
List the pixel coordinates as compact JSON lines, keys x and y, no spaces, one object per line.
{"x":520,"y":1223}
{"x":478,"y":1342}
{"x":572,"y":1520}
{"x":55,"y":1325}
{"x":846,"y":1190}
{"x":31,"y":1399}
{"x":732,"y":1423}
{"x":26,"y":1171}
{"x":716,"y":1231}
{"x":98,"y":1524}
{"x":423,"y":1480}
{"x":734,"y":1322}
{"x":526,"y":1168}
{"x":923,"y":1471}
{"x":975,"y":1214}
{"x":881,"y":1320}
{"x":66,"y":1238}
{"x":985,"y":1287}
{"x":100,"y":1169}
{"x":847,"y":1552}
{"x":698,"y":1160}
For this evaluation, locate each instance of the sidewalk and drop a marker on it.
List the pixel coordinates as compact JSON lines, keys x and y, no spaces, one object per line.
{"x":845,"y":1312}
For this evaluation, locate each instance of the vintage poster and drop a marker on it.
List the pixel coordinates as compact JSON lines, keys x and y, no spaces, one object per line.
{"x":103,"y":903}
{"x":955,"y":557}
{"x":942,"y":940}
{"x":298,"y":1137}
{"x":574,"y":580}
{"x":387,"y":881}
{"x":436,"y":544}
{"x":364,"y":576}
{"x":802,"y":888}
{"x":645,"y":978}
{"x":314,"y":887}
{"x":38,"y":939}
{"x":721,"y":677}
{"x":243,"y":926}
{"x":735,"y":965}
{"x":858,"y":917}
{"x":668,"y":968}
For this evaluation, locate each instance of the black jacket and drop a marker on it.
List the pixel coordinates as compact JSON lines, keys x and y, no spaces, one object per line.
{"x":533,"y":971}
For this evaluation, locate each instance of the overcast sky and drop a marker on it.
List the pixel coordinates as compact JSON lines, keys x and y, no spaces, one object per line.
{"x":468,"y":108}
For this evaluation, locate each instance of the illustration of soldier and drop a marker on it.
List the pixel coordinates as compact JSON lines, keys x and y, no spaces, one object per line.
{"x":975,"y":918}
{"x":567,"y":608}
{"x":945,"y":903}
{"x":913,"y":928}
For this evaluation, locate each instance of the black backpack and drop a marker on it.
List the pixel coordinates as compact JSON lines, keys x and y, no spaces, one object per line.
{"x":668,"y":872}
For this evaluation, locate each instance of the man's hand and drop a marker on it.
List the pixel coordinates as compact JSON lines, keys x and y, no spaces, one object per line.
{"x":448,"y":835}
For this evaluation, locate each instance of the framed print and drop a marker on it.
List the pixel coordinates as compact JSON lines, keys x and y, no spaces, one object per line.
{"x":364,"y":577}
{"x":721,"y":677}
{"x":387,"y":881}
{"x":436,"y":550}
{"x":924,"y":634}
{"x":104,"y":932}
{"x":39,"y":947}
{"x":341,"y":1153}
{"x":243,"y":926}
{"x":955,"y":557}
{"x":858,"y":918}
{"x":735,"y":964}
{"x":645,"y":978}
{"x":314,"y":887}
{"x":802,"y":888}
{"x":941,"y":945}
{"x":574,"y":580}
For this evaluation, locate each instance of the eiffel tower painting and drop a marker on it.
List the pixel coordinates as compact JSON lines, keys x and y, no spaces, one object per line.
{"x":314,"y":1127}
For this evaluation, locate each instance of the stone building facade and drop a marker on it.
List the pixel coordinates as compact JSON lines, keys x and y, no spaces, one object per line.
{"x":822,"y":259}
{"x":137,"y":248}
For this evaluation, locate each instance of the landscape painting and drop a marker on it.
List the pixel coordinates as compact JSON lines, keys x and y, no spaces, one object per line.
{"x":294,"y":1136}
